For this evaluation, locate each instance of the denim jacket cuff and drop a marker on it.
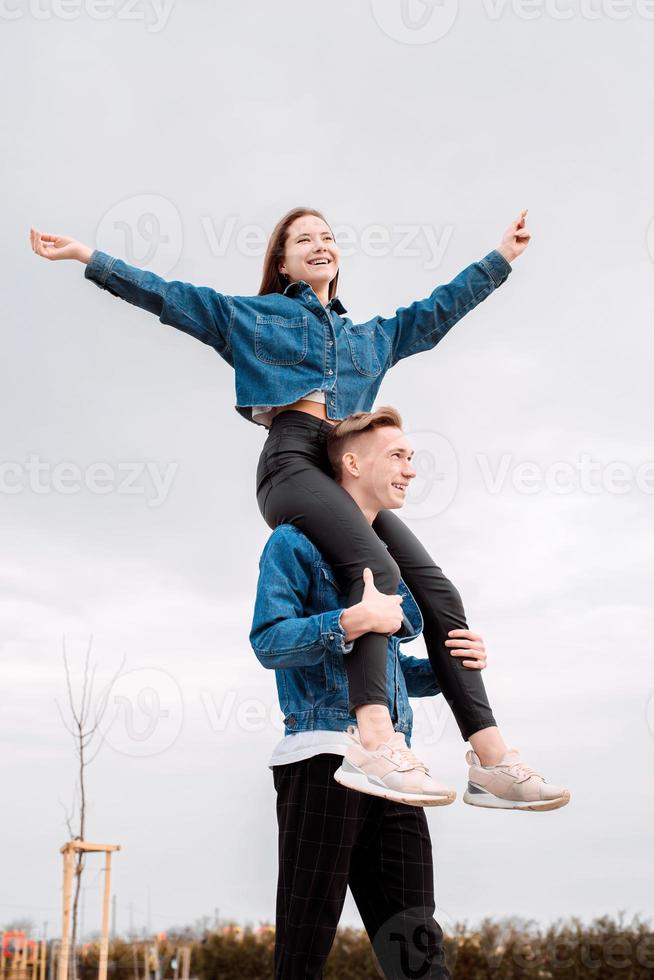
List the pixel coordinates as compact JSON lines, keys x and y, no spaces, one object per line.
{"x":333,"y":634}
{"x":98,"y":268}
{"x":496,"y":266}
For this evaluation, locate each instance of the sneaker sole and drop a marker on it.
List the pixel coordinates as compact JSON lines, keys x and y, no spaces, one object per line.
{"x":491,"y":802}
{"x":361,"y":783}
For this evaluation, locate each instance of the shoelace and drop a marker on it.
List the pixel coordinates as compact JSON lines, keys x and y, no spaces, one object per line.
{"x":405,"y":758}
{"x":521,"y":771}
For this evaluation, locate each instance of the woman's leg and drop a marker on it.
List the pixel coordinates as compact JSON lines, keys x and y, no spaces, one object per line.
{"x":442,"y":611}
{"x":297,"y":491}
{"x":498,"y":778}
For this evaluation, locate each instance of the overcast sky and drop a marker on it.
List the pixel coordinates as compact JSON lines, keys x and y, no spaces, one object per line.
{"x":174,"y":136}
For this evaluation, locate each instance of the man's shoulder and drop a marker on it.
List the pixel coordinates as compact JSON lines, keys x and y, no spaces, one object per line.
{"x":289,"y":540}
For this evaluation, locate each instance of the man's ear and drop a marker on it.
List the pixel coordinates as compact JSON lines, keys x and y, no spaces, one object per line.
{"x":350,"y":464}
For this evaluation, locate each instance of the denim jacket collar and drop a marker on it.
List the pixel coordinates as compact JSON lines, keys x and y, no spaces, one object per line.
{"x":299,"y":286}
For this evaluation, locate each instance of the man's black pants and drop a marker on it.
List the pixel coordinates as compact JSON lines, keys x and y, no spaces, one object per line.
{"x":331,"y":837}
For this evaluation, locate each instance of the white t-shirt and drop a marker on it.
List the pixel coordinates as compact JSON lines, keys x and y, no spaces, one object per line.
{"x":304,"y":745}
{"x":266,"y":413}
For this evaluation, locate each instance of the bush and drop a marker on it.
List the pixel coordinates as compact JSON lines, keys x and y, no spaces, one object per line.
{"x":508,"y":950}
{"x":233,"y":955}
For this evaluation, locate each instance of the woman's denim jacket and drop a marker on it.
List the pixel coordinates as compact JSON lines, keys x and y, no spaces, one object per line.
{"x":284,"y":345}
{"x":296,"y":631}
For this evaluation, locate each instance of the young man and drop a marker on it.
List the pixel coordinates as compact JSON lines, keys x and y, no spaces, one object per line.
{"x":331,"y":836}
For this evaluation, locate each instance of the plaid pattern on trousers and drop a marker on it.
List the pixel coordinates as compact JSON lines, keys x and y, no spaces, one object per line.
{"x":331,"y":837}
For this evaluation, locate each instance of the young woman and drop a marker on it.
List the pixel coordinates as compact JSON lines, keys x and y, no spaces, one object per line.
{"x":301,"y":365}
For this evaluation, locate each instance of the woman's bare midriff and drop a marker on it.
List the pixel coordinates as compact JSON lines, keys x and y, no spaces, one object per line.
{"x":317,"y":409}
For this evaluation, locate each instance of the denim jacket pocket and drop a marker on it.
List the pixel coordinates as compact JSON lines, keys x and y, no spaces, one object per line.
{"x":281,"y":340}
{"x":361,"y":339}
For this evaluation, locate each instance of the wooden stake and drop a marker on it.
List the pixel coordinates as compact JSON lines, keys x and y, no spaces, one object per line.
{"x":68,"y":851}
{"x":104,"y":939}
{"x":69,"y":859}
{"x":186,"y":968}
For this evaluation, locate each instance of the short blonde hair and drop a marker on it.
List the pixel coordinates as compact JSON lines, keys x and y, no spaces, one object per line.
{"x":344,"y":434}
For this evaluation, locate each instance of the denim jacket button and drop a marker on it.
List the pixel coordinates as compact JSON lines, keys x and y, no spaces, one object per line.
{"x":329,"y":371}
{"x":331,"y":636}
{"x":292,"y":720}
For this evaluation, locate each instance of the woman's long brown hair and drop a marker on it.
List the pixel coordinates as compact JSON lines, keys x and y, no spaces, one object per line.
{"x":273,"y":281}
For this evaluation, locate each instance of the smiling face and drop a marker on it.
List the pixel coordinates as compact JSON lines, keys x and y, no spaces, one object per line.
{"x":311,"y":253}
{"x":377,"y":471}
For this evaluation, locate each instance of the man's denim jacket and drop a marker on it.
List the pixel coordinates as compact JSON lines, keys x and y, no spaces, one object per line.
{"x":284,"y":345}
{"x":296,"y":631}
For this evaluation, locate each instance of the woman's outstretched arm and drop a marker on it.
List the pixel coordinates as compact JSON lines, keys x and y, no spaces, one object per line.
{"x":424,"y":323}
{"x":196,"y":310}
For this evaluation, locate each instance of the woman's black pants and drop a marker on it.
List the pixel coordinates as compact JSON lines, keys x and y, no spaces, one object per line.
{"x":295,"y":485}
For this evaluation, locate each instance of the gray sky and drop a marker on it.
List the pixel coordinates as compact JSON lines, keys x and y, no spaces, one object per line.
{"x":174,"y":136}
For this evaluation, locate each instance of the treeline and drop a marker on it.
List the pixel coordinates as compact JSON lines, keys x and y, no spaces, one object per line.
{"x":605,"y":950}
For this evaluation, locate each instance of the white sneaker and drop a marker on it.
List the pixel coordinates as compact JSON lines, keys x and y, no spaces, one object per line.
{"x":391,"y":771}
{"x":511,"y":785}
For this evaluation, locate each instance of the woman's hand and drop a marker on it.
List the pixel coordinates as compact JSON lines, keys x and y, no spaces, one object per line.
{"x":57,"y":247}
{"x":515,"y":239}
{"x":468,"y":644}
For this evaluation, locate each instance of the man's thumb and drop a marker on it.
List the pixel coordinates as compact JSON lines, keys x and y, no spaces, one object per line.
{"x":368,"y":579}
